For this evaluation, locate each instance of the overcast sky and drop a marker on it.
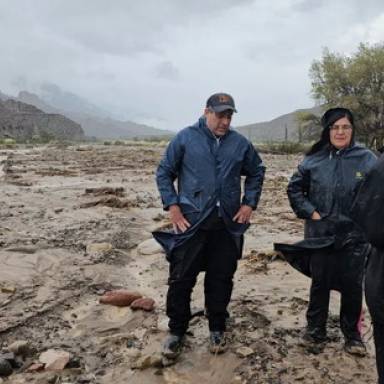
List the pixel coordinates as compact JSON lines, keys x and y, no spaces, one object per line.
{"x":157,"y":61}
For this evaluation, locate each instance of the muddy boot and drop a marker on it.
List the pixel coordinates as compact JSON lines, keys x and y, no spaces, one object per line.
{"x":313,"y":336}
{"x":217,"y":342}
{"x":172,"y":346}
{"x":355,"y":347}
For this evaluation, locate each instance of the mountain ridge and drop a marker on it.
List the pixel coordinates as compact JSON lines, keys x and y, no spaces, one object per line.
{"x":22,"y":121}
{"x":100,"y":127}
{"x":281,"y":128}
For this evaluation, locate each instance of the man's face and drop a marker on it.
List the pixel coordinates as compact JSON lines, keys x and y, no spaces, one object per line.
{"x":218,"y":122}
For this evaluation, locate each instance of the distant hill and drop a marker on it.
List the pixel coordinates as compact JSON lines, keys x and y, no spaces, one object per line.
{"x":275,"y":130}
{"x":23,"y":121}
{"x":33,"y":99}
{"x":95,"y":122}
{"x":3,"y":96}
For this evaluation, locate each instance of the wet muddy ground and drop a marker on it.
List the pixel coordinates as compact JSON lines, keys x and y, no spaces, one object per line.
{"x":76,"y":222}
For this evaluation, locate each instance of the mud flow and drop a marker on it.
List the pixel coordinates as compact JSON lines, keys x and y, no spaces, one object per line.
{"x":76,"y":223}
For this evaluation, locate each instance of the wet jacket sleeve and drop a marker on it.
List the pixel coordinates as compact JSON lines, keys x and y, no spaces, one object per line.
{"x":168,"y":170}
{"x":297,"y":190}
{"x":254,"y":170}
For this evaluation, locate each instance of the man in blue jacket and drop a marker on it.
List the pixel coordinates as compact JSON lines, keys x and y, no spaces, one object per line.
{"x":208,"y":215}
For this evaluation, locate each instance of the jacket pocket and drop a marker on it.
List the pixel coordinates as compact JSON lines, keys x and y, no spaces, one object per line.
{"x":190,"y":202}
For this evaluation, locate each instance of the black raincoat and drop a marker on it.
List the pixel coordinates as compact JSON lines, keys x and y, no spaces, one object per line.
{"x":333,"y":251}
{"x":368,"y":213}
{"x":368,"y":206}
{"x":326,"y":182}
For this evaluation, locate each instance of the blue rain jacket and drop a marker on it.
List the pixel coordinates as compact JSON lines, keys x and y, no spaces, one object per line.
{"x":208,"y":173}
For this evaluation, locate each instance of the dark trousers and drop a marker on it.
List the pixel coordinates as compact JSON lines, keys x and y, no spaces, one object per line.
{"x":211,"y":249}
{"x":374,"y":295}
{"x":344,"y":269}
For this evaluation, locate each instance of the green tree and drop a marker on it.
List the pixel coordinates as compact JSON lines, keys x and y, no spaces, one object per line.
{"x":308,"y":126}
{"x":355,"y":82}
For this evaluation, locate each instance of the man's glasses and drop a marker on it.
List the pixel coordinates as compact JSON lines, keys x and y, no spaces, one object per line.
{"x":342,"y":128}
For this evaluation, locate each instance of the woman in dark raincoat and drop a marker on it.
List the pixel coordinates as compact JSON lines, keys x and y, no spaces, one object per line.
{"x":368,"y":212}
{"x":321,"y":192}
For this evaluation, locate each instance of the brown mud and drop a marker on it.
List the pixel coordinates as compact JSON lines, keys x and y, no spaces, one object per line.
{"x":76,"y":222}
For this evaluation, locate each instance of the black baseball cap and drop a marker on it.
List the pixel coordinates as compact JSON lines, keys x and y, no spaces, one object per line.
{"x":220,"y":102}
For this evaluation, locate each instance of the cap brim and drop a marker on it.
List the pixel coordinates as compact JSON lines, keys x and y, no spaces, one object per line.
{"x":221,"y":108}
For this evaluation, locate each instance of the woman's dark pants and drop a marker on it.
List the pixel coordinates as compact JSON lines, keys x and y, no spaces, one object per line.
{"x":342,"y":269}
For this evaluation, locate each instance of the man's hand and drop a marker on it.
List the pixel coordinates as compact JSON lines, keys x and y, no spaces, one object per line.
{"x":243,"y":215}
{"x":316,"y":216}
{"x":179,"y":222}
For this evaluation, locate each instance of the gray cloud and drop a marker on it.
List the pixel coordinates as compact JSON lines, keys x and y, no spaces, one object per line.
{"x":126,"y":55}
{"x":166,"y":70}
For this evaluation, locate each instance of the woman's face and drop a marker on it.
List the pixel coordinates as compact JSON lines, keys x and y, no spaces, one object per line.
{"x":340,"y":133}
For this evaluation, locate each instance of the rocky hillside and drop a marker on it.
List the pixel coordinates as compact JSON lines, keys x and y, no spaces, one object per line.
{"x":95,"y":122}
{"x":279,"y":129}
{"x":22,"y":121}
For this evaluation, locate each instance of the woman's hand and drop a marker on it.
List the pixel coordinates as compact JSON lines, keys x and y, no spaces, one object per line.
{"x":316,"y":216}
{"x":243,"y":215}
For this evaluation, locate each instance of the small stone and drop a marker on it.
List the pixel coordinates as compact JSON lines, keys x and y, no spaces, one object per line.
{"x":139,"y":333}
{"x":147,"y":361}
{"x":54,"y":360}
{"x":7,"y":356}
{"x":237,"y":380}
{"x":120,"y":298}
{"x":144,"y":303}
{"x":74,"y":362}
{"x":149,"y":247}
{"x":244,"y":352}
{"x":8,"y":289}
{"x":35,"y":367}
{"x":52,"y":379}
{"x":132,"y":352}
{"x":99,"y":248}
{"x":20,"y":348}
{"x":162,"y":324}
{"x":5,"y":368}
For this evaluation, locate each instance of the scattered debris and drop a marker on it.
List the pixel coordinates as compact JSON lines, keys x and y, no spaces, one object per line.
{"x":112,"y":202}
{"x":118,"y":191}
